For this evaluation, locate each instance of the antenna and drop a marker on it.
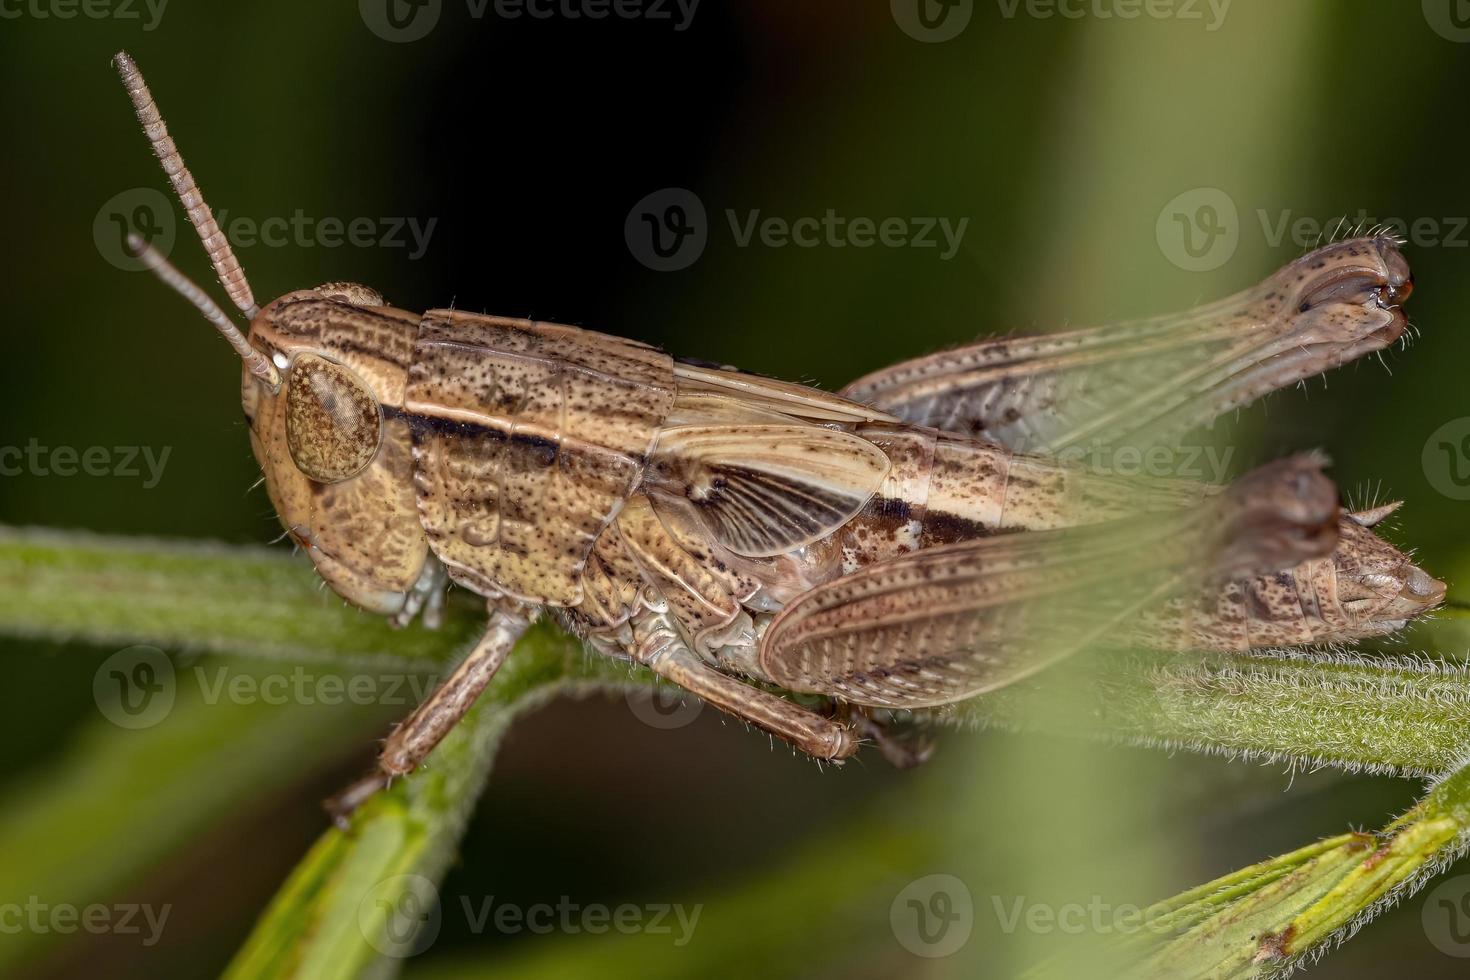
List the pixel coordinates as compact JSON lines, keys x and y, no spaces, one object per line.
{"x":256,"y":362}
{"x":226,"y":266}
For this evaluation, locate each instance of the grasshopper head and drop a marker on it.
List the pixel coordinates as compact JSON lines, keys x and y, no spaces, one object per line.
{"x":324,"y":372}
{"x":332,"y":441}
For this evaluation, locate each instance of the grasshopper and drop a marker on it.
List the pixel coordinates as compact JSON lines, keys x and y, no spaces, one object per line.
{"x":907,"y":543}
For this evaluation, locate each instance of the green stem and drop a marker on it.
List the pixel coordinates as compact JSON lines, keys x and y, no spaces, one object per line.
{"x":67,"y":585}
{"x":343,"y":910}
{"x":1287,"y":911}
{"x":364,"y":899}
{"x":347,"y":908}
{"x":1402,"y":715}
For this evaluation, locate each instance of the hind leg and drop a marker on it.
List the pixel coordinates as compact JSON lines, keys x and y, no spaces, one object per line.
{"x":660,"y":648}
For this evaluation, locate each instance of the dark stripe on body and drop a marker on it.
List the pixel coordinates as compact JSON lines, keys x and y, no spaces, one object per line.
{"x":422,"y":425}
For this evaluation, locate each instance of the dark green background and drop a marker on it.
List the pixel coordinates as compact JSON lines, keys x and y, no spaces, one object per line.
{"x":1060,"y":139}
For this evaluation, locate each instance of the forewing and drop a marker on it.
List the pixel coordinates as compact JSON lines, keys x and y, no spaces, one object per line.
{"x":759,"y":393}
{"x":946,"y":623}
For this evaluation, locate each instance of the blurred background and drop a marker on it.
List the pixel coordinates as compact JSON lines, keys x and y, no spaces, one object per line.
{"x":1050,"y":162}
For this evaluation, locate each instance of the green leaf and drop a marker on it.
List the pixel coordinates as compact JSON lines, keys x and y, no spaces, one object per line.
{"x":1281,"y":913}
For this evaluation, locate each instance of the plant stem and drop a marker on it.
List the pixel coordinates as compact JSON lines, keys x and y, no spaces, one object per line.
{"x":112,"y":804}
{"x":67,"y":585}
{"x":363,"y":900}
{"x":1400,"y":715}
{"x":1404,"y":715}
{"x":348,"y":908}
{"x":1279,"y":914}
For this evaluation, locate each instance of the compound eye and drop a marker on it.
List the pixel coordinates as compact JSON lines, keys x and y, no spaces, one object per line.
{"x":333,"y":423}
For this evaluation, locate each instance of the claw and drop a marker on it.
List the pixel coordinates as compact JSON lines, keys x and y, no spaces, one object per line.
{"x":902,"y":751}
{"x":341,"y":806}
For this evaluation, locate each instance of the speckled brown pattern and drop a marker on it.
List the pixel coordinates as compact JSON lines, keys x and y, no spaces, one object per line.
{"x":528,"y":438}
{"x":1366,"y":587}
{"x":333,"y":422}
{"x":664,"y":507}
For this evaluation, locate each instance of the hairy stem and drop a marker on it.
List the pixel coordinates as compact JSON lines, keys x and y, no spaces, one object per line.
{"x":1406,"y":715}
{"x":1400,"y":714}
{"x":1281,"y":914}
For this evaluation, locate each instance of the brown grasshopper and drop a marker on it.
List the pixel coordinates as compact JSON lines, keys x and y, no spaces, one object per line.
{"x":906,"y":544}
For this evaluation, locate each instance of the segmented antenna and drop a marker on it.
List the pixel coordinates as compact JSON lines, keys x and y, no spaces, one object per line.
{"x":256,"y":362}
{"x":220,"y":254}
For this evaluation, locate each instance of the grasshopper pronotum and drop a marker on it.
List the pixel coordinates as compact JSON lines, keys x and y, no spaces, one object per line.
{"x":905,"y":544}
